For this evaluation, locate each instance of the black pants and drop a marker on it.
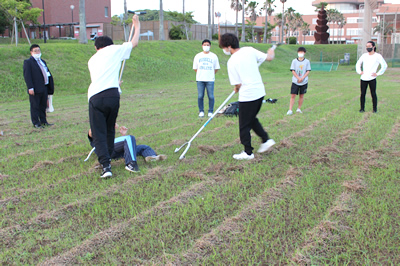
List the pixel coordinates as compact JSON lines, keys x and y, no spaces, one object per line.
{"x":247,"y":121}
{"x":372,"y":87}
{"x":103,"y":112}
{"x":38,"y":108}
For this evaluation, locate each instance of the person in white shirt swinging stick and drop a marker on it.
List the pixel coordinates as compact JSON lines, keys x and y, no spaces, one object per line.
{"x":104,"y":93}
{"x":370,"y":62}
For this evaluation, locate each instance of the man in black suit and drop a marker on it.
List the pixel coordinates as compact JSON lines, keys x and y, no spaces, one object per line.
{"x":39,"y":82}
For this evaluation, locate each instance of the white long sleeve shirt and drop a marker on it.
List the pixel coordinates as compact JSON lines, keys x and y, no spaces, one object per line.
{"x":370,"y":65}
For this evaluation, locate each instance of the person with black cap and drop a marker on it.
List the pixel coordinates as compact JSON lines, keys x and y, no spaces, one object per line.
{"x":206,"y":65}
{"x":370,"y":62}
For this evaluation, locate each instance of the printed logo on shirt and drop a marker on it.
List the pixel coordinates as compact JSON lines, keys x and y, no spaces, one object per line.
{"x":205,"y":64}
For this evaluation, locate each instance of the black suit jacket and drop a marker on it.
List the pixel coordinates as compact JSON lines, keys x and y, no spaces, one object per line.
{"x":34,"y":77}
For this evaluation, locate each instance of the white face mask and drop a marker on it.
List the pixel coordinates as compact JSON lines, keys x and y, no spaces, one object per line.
{"x":300,"y":55}
{"x":206,"y":48}
{"x":36,"y":56}
{"x":227,"y":52}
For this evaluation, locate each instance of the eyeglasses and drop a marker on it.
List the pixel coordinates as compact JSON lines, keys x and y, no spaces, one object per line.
{"x":37,"y":50}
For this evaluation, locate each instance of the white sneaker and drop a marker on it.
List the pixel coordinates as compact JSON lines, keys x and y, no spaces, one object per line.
{"x":243,"y":156}
{"x":289,"y":112}
{"x":266,"y":146}
{"x":201,"y":114}
{"x":210,"y":114}
{"x":299,"y":111}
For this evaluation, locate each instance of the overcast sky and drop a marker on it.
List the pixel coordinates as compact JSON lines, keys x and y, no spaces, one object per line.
{"x":199,"y":7}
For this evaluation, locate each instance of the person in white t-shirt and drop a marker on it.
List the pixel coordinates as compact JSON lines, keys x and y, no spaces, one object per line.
{"x":370,"y":62}
{"x":245,"y":76}
{"x":206,"y":65}
{"x":104,"y":93}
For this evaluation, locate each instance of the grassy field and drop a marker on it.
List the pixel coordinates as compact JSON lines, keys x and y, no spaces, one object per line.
{"x":326,"y":194}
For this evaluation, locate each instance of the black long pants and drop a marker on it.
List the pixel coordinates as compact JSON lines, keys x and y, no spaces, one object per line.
{"x":372,"y":87}
{"x":103,"y":112}
{"x":38,"y":104}
{"x":247,"y":121}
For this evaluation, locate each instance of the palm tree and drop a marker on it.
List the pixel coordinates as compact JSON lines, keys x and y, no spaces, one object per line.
{"x":184,"y":21}
{"x":289,"y":17}
{"x":237,"y":6}
{"x":161,"y":33}
{"x":384,"y":28}
{"x":209,"y":20}
{"x":283,"y":17}
{"x":212,"y":15}
{"x":268,"y":12}
{"x":341,"y":22}
{"x":278,"y":21}
{"x":305,"y":29}
{"x":243,"y":22}
{"x":251,"y":10}
{"x":82,"y":23}
{"x":332,"y":17}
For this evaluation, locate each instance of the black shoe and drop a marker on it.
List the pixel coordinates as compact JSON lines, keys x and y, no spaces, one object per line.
{"x":375,"y":111}
{"x":132,"y":167}
{"x":361,"y":111}
{"x":106,"y":172}
{"x":47,"y":124}
{"x":38,"y":126}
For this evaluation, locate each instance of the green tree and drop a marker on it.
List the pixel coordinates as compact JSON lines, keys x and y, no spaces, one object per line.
{"x":237,"y":6}
{"x":186,"y":18}
{"x":4,"y":21}
{"x":384,"y":28}
{"x":21,"y":9}
{"x":269,"y":29}
{"x":341,"y":22}
{"x":268,"y":7}
{"x":176,"y":32}
{"x":253,"y":13}
{"x":305,"y":29}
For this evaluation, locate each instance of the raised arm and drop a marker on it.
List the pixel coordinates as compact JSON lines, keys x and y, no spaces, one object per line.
{"x":136,"y":24}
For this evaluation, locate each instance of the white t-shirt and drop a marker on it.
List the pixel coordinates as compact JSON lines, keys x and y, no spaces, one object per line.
{"x":206,"y":64}
{"x":370,"y":64}
{"x":243,"y":69}
{"x":104,"y":67}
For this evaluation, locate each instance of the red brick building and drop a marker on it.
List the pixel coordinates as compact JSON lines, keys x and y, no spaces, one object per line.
{"x":351,"y":32}
{"x":62,"y":18}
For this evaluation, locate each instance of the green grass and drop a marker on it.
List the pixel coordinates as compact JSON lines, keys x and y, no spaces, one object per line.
{"x":326,"y":194}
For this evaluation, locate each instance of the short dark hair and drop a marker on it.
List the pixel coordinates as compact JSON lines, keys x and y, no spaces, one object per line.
{"x":302,"y":49}
{"x":373,"y":45}
{"x":103,"y":41}
{"x":206,"y":40}
{"x":229,"y":39}
{"x":33,"y":46}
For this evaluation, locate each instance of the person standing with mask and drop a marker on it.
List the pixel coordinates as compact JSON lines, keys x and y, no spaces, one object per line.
{"x":245,"y":76}
{"x":300,"y":68}
{"x":206,"y":65}
{"x":39,"y":82}
{"x":370,"y":62}
{"x":104,"y":93}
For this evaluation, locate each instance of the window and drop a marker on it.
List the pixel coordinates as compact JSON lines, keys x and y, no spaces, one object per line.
{"x":106,"y":11}
{"x":353,"y":32}
{"x":314,"y":21}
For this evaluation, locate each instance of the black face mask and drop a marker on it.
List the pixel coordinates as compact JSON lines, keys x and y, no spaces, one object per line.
{"x":369,"y":50}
